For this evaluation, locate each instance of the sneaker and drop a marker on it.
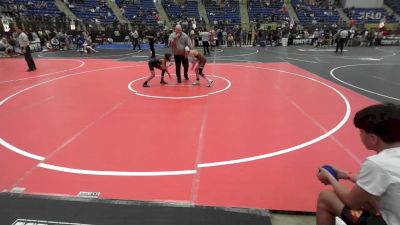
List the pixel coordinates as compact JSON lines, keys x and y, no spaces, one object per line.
{"x":163,"y":82}
{"x":196,"y":82}
{"x":186,"y":78}
{"x":146,"y":85}
{"x":210,"y":83}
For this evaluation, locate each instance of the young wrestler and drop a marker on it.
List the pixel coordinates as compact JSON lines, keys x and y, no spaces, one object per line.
{"x":201,"y":61}
{"x":160,"y":64}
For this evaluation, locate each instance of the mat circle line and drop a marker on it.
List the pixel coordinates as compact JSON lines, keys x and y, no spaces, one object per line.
{"x":80,"y":56}
{"x":183,"y":97}
{"x":48,"y":74}
{"x":326,"y":56}
{"x":179,"y":172}
{"x":360,"y":88}
{"x":28,"y":154}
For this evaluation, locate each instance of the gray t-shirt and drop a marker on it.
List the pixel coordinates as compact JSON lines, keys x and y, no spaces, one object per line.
{"x":178,"y":44}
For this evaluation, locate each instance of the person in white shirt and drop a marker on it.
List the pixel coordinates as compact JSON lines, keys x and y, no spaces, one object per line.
{"x":341,"y":39}
{"x":376,"y":193}
{"x":24,"y":45}
{"x":205,"y":38}
{"x":55,"y":44}
{"x":135,"y":39}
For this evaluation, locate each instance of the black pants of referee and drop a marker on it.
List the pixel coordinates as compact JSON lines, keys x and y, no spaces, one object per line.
{"x":340,"y":45}
{"x":29,"y":59}
{"x":180,"y":59}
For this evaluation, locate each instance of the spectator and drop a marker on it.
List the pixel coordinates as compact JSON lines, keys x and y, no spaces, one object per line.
{"x":6,"y":46}
{"x":135,"y":39}
{"x":55,"y":44}
{"x":376,"y":193}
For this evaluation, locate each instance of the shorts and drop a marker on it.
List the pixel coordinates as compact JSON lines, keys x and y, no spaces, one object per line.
{"x":202,"y":63}
{"x":360,"y":217}
{"x":154,"y":65}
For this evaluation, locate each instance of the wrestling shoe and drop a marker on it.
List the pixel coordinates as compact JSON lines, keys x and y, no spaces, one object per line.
{"x":196,"y":82}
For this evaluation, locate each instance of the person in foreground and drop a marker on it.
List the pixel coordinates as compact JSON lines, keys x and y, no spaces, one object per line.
{"x":375,"y":197}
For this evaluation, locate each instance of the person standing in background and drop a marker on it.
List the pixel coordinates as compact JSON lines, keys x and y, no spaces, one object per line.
{"x":151,"y":36}
{"x":135,"y":39}
{"x":205,"y":37}
{"x":24,"y":45}
{"x":341,"y":39}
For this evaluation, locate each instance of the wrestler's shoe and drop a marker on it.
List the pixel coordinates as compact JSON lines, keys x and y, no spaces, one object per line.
{"x":196,"y":82}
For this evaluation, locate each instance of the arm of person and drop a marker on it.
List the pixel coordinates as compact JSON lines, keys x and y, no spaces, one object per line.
{"x":363,"y":194}
{"x":165,"y":68}
{"x":345,"y":175}
{"x":172,"y":40}
{"x":194,"y":63}
{"x":355,"y":198}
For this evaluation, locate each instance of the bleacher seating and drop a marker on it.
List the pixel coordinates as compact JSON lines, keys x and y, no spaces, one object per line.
{"x":265,"y":13}
{"x":369,"y":15}
{"x":394,"y":4}
{"x":142,"y":12}
{"x":322,"y":14}
{"x":34,"y":7}
{"x":89,"y":10}
{"x":229,"y":11}
{"x":176,"y":12}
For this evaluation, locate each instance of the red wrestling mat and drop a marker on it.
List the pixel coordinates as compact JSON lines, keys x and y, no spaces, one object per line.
{"x":254,"y":139}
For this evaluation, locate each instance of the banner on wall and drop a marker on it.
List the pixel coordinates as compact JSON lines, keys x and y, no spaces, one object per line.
{"x":370,"y":15}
